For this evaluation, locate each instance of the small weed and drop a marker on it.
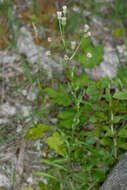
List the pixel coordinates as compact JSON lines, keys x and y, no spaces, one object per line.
{"x":90,"y":133}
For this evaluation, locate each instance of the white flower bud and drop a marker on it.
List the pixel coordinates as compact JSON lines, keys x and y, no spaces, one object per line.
{"x":86,"y":28}
{"x":89,"y":55}
{"x":64,"y":9}
{"x":73,"y":45}
{"x":66,"y":58}
{"x":49,"y":39}
{"x":64,"y":20}
{"x":59,"y":14}
{"x":89,"y":33}
{"x":48,"y":53}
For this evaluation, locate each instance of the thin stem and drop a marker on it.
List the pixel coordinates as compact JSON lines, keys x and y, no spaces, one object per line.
{"x":75,"y":51}
{"x":112,"y":129}
{"x":61,"y":32}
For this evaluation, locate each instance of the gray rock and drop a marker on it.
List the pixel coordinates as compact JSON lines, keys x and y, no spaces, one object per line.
{"x":117,"y":179}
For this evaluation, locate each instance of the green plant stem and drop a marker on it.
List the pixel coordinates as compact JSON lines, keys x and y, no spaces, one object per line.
{"x":112,"y":128}
{"x":61,"y":32}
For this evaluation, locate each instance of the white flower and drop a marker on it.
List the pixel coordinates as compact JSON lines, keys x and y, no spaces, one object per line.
{"x":64,"y":9}
{"x":73,"y":45}
{"x":66,"y":58}
{"x":76,"y":9}
{"x":59,"y":14}
{"x":48,"y":53}
{"x":89,"y":33}
{"x":64,"y":19}
{"x":49,"y":39}
{"x":86,"y":28}
{"x":89,"y":55}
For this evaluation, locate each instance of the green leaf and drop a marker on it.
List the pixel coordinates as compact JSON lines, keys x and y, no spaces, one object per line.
{"x":121,"y":95}
{"x":85,"y":43}
{"x":92,"y":90}
{"x":96,"y":52}
{"x":28,"y":188}
{"x":60,"y":96}
{"x":52,"y":163}
{"x":44,"y":175}
{"x":123,"y":132}
{"x":66,"y":114}
{"x":118,"y":32}
{"x":122,"y":145}
{"x":117,"y":119}
{"x":56,"y":142}
{"x":82,"y":80}
{"x":90,"y":140}
{"x":106,"y":141}
{"x":93,"y":119}
{"x":38,"y":131}
{"x":122,"y":74}
{"x":66,"y":123}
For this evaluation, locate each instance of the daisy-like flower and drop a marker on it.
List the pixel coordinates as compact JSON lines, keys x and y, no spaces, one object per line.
{"x":48,"y":53}
{"x":59,"y":14}
{"x":64,"y":20}
{"x":64,"y":9}
{"x":66,"y":58}
{"x":89,"y":55}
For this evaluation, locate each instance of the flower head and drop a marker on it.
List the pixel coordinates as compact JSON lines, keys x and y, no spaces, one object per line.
{"x":89,"y":55}
{"x":48,"y":53}
{"x":59,"y":14}
{"x":73,"y":45}
{"x":66,"y":58}
{"x":64,"y":9}
{"x":86,"y":28}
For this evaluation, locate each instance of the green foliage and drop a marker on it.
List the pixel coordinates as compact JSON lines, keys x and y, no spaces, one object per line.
{"x":59,"y":96}
{"x":87,"y":47}
{"x":121,"y":95}
{"x":91,"y":129}
{"x":118,"y":32}
{"x":38,"y":131}
{"x":56,"y":142}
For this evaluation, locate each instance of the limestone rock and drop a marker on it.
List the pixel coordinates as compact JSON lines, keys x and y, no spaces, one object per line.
{"x":117,"y":180}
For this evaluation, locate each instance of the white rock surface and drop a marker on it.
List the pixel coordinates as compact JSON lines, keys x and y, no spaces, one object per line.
{"x":4,"y":181}
{"x":7,"y":109}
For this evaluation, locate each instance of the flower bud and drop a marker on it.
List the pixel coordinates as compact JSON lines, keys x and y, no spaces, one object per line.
{"x":64,"y":20}
{"x":89,"y":55}
{"x":73,"y":45}
{"x":59,"y":14}
{"x":48,"y":53}
{"x":49,"y":39}
{"x":64,"y":9}
{"x":66,"y":58}
{"x":86,"y":28}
